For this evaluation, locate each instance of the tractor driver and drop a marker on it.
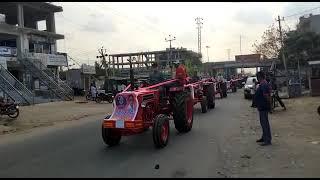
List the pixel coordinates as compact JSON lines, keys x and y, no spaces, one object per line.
{"x":156,"y":76}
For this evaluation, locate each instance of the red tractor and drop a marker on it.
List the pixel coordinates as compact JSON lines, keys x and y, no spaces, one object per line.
{"x":136,"y":109}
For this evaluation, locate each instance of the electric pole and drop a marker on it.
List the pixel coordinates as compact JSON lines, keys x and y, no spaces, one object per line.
{"x":241,"y":57}
{"x":169,"y":39}
{"x":228,"y":50}
{"x":208,"y":52}
{"x":282,"y":53}
{"x":103,"y":54}
{"x":199,"y":26}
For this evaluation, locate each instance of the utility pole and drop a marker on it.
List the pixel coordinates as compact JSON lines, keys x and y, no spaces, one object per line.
{"x":208,"y":52}
{"x":169,"y":39}
{"x":199,"y":26}
{"x":241,"y":57}
{"x":103,"y":54}
{"x":282,"y":53}
{"x":228,"y":50}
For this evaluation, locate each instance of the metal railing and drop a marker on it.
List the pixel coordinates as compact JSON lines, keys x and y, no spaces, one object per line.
{"x":51,"y":82}
{"x":23,"y":91}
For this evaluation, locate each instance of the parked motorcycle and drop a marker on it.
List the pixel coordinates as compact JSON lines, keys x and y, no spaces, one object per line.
{"x":104,"y":97}
{"x":10,"y":109}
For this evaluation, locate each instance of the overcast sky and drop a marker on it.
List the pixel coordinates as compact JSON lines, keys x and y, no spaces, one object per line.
{"x":123,"y":27}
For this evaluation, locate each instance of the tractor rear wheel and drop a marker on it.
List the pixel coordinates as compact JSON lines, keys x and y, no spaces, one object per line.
{"x":161,"y":131}
{"x":110,"y":136}
{"x":204,"y":104}
{"x":183,"y":112}
{"x":211,"y":97}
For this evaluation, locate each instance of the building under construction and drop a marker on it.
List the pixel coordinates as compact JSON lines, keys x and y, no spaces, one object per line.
{"x":142,"y":61}
{"x":29,"y":61}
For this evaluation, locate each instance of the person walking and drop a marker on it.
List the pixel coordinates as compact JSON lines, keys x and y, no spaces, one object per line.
{"x":93,"y":92}
{"x":262,"y":100}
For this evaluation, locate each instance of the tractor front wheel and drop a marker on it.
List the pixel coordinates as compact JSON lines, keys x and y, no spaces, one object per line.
{"x":161,"y":131}
{"x":211,"y":97}
{"x":183,"y":112}
{"x":110,"y":136}
{"x":204,"y":104}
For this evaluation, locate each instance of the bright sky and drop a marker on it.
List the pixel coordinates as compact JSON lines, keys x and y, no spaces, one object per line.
{"x":123,"y":27}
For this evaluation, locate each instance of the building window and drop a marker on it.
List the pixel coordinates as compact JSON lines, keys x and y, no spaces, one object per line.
{"x":38,"y":48}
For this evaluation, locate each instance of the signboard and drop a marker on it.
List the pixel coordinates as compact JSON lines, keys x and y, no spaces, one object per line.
{"x":57,"y":60}
{"x":87,"y":69}
{"x":249,"y":58}
{"x":50,"y":59}
{"x":8,"y":51}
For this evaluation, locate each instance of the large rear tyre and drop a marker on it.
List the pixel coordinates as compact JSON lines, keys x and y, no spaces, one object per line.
{"x":161,"y":131}
{"x":110,"y":136}
{"x":204,"y":105}
{"x":211,"y":97}
{"x":183,"y":112}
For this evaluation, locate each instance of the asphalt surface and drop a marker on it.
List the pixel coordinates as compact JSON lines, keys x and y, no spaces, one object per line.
{"x":77,"y":150}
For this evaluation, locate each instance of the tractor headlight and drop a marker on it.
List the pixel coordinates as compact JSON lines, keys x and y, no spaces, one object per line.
{"x":17,"y":107}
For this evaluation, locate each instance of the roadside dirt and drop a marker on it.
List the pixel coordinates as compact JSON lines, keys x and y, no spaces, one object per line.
{"x":295,"y":151}
{"x":48,"y":114}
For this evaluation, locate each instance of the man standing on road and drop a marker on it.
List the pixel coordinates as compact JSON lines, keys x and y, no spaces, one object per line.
{"x":262,"y":100}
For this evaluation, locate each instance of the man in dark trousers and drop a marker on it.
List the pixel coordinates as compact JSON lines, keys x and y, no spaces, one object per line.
{"x":262,"y":100}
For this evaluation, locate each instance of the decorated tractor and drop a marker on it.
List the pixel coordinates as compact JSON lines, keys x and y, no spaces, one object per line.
{"x":136,"y":109}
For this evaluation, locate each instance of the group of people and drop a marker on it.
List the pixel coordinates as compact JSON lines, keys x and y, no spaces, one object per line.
{"x":262,"y":100}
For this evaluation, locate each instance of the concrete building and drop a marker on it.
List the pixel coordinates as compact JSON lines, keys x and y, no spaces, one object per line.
{"x":310,"y":23}
{"x":28,"y":54}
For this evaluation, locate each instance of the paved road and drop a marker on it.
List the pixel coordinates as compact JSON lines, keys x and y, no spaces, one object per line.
{"x":77,"y":150}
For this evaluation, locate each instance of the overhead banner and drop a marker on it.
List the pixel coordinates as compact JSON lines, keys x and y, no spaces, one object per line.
{"x":87,"y":69}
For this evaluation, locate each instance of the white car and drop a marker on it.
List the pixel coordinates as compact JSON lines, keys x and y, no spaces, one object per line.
{"x":249,"y":87}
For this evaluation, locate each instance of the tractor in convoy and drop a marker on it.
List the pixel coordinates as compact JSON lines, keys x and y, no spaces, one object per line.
{"x":138,"y":108}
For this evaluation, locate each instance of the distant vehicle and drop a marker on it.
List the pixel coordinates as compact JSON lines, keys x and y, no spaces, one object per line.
{"x":10,"y":109}
{"x":248,"y":87}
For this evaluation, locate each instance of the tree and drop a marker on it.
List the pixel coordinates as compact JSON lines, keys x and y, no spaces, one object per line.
{"x":301,"y":45}
{"x":270,"y":43}
{"x":99,"y":70}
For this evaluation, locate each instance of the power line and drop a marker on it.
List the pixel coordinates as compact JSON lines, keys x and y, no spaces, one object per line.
{"x":302,"y":12}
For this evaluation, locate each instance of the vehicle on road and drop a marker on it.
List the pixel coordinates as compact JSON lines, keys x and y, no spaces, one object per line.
{"x":102,"y":96}
{"x":10,"y":109}
{"x":249,"y":87}
{"x":136,"y":109}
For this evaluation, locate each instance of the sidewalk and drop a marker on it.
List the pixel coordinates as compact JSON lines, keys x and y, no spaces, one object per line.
{"x":295,"y":151}
{"x":48,"y":114}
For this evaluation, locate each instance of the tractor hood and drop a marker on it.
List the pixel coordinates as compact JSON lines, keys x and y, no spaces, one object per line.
{"x":125,"y":106}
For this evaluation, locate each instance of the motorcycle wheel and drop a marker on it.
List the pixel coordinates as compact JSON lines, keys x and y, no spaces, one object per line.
{"x":15,"y":115}
{"x":110,"y":100}
{"x":98,"y":100}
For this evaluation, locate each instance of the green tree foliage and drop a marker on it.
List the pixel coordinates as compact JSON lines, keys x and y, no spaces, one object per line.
{"x":270,"y":43}
{"x":303,"y":46}
{"x":99,"y":70}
